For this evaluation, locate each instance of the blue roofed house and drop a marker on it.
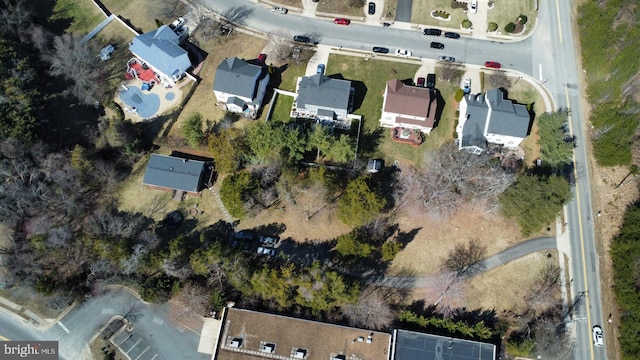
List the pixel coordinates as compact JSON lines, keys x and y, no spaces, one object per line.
{"x":240,"y":87}
{"x":160,"y":50}
{"x":174,"y":173}
{"x":491,"y":119}
{"x":323,"y":98}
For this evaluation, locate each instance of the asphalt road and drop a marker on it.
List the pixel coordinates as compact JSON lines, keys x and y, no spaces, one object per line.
{"x":560,"y":71}
{"x":516,"y":56}
{"x":403,"y":10}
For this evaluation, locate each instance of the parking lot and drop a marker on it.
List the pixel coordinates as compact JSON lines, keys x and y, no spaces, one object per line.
{"x":135,"y":346}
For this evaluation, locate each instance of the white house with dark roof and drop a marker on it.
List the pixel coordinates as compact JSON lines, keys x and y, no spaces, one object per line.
{"x":239,"y":86}
{"x":160,"y":50}
{"x":174,"y":173}
{"x":323,"y":98}
{"x":411,"y":107}
{"x":490,"y":118}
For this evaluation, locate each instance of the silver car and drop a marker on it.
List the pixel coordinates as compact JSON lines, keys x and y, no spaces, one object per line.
{"x":404,"y":53}
{"x":446,"y":58}
{"x":597,"y":336}
{"x":279,"y":10}
{"x":266,"y":251}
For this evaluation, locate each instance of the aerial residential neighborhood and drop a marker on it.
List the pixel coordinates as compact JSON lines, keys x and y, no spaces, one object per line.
{"x":319,"y":179}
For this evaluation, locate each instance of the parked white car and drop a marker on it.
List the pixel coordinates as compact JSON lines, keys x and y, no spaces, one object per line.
{"x":473,"y":6}
{"x":403,"y":53}
{"x":466,"y":83}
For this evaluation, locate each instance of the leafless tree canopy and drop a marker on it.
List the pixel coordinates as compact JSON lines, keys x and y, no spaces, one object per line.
{"x":464,"y":257}
{"x":499,"y":79}
{"x":75,"y":60}
{"x":446,"y":289}
{"x":451,"y":72}
{"x":371,"y":312}
{"x":280,"y":44}
{"x":546,"y":288}
{"x":451,"y":178}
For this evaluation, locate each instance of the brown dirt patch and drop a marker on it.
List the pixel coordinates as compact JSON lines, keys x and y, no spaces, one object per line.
{"x":435,"y":238}
{"x":503,"y":288}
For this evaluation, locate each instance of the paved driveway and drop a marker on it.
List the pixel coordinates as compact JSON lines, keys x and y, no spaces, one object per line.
{"x":403,"y":12}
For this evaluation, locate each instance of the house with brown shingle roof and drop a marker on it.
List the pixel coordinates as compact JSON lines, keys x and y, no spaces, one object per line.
{"x":252,"y":335}
{"x":410,"y":107}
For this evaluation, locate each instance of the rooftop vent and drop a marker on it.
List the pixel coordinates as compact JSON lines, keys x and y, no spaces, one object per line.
{"x":235,"y":343}
{"x":300,"y":353}
{"x":360,"y":338}
{"x":268,"y":348}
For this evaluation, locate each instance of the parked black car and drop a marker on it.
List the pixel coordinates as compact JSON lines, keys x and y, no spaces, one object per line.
{"x":437,"y":45}
{"x":431,"y":81}
{"x":372,"y":8}
{"x":380,"y":50}
{"x":452,"y":35}
{"x":433,"y":32}
{"x":302,"y":39}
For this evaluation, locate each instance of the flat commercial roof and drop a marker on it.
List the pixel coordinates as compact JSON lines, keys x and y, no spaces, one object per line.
{"x":320,"y":341}
{"x":411,"y":345}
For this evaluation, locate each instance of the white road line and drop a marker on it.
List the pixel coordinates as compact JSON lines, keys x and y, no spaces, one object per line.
{"x":64,"y":327}
{"x":540,"y":72}
{"x":559,"y":24}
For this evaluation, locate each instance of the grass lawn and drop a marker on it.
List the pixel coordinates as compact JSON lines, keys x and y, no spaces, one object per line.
{"x":421,"y":13}
{"x":524,"y":93}
{"x":506,"y":12}
{"x":142,"y":13}
{"x":369,"y":78}
{"x":339,"y":7}
{"x":282,"y":108}
{"x":83,"y":14}
{"x":291,"y":75}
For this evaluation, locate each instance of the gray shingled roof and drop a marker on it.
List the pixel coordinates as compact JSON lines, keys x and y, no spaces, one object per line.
{"x":507,"y":118}
{"x":473,"y":129}
{"x":411,"y":345}
{"x":237,"y":77}
{"x":173,"y":173}
{"x":321,"y":90}
{"x":161,"y":49}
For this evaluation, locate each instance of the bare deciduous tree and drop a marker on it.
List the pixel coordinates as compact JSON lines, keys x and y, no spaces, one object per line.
{"x":546,"y":288}
{"x":464,"y":257}
{"x":169,"y":9}
{"x":499,"y":79}
{"x":75,"y":60}
{"x":189,"y":305}
{"x":450,"y":178}
{"x":451,"y":72}
{"x":371,"y":312}
{"x":446,"y":290}
{"x":280,"y":44}
{"x":130,"y":264}
{"x":106,"y":224}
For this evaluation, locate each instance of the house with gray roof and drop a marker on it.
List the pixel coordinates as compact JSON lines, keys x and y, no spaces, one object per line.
{"x":323,"y":98}
{"x":174,"y":173}
{"x":491,"y":119}
{"x":160,"y":50}
{"x":239,"y":86}
{"x":409,"y":345}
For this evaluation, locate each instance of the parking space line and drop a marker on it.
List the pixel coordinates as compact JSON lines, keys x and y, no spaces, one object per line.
{"x":143,"y":351}
{"x":64,"y":327}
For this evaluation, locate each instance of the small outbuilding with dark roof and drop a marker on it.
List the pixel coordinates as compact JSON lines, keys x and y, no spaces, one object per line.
{"x":174,"y":173}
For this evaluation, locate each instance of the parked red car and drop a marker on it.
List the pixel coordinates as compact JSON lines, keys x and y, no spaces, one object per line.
{"x":492,"y":64}
{"x":420,"y":82}
{"x":341,"y":21}
{"x":262,"y":58}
